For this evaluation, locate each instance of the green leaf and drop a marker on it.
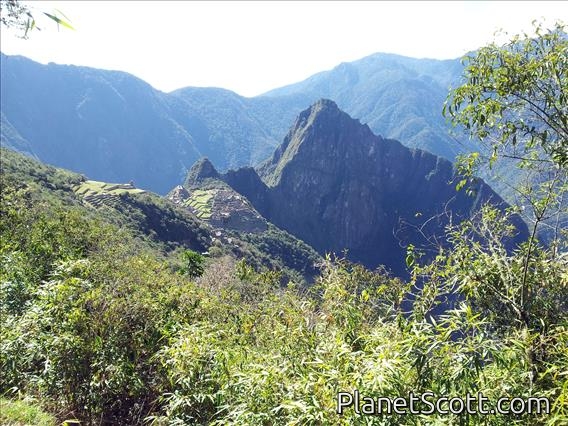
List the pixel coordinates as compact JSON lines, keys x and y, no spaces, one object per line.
{"x":59,"y":20}
{"x":461,"y":184}
{"x":410,"y":259}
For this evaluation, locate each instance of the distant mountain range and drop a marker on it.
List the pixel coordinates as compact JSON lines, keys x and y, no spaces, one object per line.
{"x":398,"y":97}
{"x":337,"y":186}
{"x":113,"y":126}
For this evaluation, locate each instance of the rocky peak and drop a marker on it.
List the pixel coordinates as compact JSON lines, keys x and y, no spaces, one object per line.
{"x":320,"y":108}
{"x":207,"y":196}
{"x":322,"y":137}
{"x":201,"y":170}
{"x":336,"y":185}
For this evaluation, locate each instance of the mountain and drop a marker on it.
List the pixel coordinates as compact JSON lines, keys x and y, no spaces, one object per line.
{"x":234,"y":131}
{"x":106,"y":124}
{"x":233,"y":217}
{"x":156,"y":223}
{"x":113,"y":126}
{"x":11,"y":138}
{"x":337,"y":186}
{"x":397,"y":96}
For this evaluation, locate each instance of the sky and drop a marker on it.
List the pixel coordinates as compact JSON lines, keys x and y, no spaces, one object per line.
{"x":252,"y":47}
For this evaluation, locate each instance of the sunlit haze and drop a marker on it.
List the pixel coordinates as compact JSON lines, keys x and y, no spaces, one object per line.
{"x":252,"y":47}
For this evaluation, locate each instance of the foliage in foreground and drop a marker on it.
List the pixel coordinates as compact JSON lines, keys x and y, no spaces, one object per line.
{"x":97,"y":328}
{"x":21,"y":413}
{"x":513,"y":101}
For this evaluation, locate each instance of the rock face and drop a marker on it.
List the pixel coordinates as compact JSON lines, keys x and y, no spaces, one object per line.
{"x":200,"y":171}
{"x":246,"y":181}
{"x":336,"y":185}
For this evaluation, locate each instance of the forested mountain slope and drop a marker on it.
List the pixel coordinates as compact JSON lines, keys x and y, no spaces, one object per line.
{"x":155,"y":222}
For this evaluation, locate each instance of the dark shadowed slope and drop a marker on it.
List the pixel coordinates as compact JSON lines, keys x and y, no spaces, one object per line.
{"x":336,"y":185}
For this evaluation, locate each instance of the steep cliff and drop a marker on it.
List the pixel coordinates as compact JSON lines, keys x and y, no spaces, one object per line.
{"x":337,"y":186}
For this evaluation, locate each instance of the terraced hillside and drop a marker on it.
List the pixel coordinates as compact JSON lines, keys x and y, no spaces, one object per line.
{"x":98,"y":193}
{"x":154,"y":220}
{"x":201,"y":202}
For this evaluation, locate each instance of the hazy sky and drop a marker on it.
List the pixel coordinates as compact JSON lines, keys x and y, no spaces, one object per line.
{"x":251,"y":47}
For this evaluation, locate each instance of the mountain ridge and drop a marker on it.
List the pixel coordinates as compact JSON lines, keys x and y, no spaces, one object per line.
{"x":397,"y":96}
{"x":131,"y":131}
{"x":337,"y":186}
{"x":167,"y":227}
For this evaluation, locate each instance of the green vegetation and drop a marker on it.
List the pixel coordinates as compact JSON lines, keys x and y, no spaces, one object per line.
{"x":514,"y":104}
{"x":97,"y":328}
{"x":193,"y":263}
{"x":515,"y":96}
{"x":23,"y":413}
{"x":284,"y":252}
{"x":148,"y":217}
{"x":201,"y":200}
{"x":99,"y":324}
